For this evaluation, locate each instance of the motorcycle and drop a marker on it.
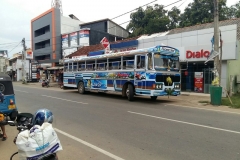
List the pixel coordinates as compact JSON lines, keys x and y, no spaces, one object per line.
{"x":24,"y":122}
{"x":45,"y":83}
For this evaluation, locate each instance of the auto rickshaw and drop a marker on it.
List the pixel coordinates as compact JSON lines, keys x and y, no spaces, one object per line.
{"x":7,"y":97}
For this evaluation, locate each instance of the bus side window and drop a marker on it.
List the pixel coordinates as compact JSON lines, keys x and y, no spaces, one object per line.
{"x":81,"y":66}
{"x":74,"y":66}
{"x":140,"y":62}
{"x":70,"y":67}
{"x":66,"y":67}
{"x":128,"y":62}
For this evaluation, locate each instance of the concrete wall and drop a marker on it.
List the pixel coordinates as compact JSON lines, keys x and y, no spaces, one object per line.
{"x":69,"y":25}
{"x":117,"y":30}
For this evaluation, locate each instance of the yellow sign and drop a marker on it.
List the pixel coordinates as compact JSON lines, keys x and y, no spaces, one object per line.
{"x":11,"y":106}
{"x":169,"y":80}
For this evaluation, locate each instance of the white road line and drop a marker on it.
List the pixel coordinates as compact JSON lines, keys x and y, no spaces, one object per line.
{"x":194,"y":124}
{"x":21,"y":91}
{"x":89,"y":145}
{"x":64,"y":99}
{"x":202,"y":108}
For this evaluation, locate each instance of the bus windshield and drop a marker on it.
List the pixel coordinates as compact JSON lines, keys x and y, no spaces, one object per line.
{"x":165,"y":62}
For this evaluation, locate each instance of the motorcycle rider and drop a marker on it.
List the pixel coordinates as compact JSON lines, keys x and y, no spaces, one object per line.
{"x":41,"y":116}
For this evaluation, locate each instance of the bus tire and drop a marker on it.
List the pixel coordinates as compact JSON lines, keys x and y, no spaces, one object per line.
{"x":124,"y":95}
{"x":154,"y":98}
{"x":81,"y":88}
{"x":130,"y":92}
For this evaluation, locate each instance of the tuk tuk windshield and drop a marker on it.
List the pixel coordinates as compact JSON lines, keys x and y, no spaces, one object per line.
{"x":6,"y":86}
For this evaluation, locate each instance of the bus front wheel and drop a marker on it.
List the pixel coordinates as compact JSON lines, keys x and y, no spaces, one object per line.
{"x":130,"y":92}
{"x":81,"y":88}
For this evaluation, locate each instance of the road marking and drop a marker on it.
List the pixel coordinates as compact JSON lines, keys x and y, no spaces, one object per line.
{"x":21,"y":91}
{"x":194,"y":124}
{"x":64,"y":99}
{"x":89,"y":145}
{"x":202,"y":108}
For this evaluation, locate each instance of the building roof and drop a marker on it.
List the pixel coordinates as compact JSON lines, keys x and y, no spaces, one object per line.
{"x":86,"y":49}
{"x":101,"y":20}
{"x":204,"y":26}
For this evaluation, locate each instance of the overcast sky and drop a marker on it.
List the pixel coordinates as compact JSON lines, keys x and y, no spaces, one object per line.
{"x":16,"y":15}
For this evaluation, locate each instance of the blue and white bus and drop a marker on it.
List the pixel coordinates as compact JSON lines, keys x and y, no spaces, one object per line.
{"x":149,"y":72}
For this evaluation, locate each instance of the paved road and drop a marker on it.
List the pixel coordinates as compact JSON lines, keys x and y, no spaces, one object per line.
{"x":107,"y":126}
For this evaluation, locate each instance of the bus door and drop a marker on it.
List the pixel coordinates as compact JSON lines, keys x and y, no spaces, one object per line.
{"x":140,"y":71}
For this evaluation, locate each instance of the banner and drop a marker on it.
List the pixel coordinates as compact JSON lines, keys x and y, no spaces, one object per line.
{"x":198,"y":82}
{"x":64,"y":41}
{"x":84,"y":37}
{"x":73,"y":37}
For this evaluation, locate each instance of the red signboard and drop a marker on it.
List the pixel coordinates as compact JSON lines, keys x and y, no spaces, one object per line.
{"x":198,"y":82}
{"x":198,"y":54}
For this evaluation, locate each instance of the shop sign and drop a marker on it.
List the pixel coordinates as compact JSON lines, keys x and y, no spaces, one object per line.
{"x":198,"y":54}
{"x":198,"y":82}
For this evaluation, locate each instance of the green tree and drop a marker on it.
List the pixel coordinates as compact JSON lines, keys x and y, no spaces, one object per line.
{"x":202,"y":11}
{"x":234,"y":11}
{"x":174,"y":16}
{"x":148,"y":21}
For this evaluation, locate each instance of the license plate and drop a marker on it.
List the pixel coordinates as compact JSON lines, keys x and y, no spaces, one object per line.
{"x":11,"y":107}
{"x":1,"y":117}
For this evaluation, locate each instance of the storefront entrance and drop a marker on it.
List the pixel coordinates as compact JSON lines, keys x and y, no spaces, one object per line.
{"x":188,"y":76}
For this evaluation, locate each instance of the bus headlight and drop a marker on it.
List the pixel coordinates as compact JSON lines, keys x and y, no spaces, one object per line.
{"x":177,"y":86}
{"x":159,"y":86}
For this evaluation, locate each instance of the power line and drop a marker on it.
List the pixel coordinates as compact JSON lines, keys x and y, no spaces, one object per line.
{"x":163,"y":7}
{"x":15,"y":47}
{"x":133,"y":10}
{"x":8,"y":43}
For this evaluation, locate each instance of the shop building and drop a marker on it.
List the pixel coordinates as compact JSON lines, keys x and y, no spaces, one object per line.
{"x":46,"y":30}
{"x":195,"y":46}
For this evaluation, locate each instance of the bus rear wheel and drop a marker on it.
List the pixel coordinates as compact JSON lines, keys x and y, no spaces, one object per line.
{"x":130,"y":92}
{"x":81,"y":88}
{"x":154,"y":98}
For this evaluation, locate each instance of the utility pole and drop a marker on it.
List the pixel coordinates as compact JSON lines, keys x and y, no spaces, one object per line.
{"x":216,"y":40}
{"x":23,"y":61}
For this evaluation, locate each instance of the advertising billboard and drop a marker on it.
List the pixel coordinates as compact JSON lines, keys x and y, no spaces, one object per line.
{"x":84,"y":37}
{"x":198,"y":82}
{"x":65,"y":40}
{"x":3,"y":53}
{"x":73,"y":39}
